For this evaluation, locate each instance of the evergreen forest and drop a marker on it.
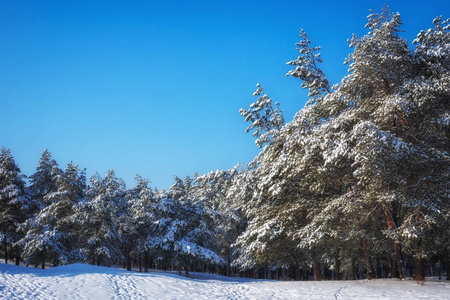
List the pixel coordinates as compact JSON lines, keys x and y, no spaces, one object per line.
{"x":356,"y":186}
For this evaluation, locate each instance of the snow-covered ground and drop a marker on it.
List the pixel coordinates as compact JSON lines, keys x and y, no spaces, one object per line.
{"x":79,"y":281}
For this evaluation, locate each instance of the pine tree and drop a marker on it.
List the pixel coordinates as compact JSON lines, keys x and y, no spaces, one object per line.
{"x":43,"y":181}
{"x":211,"y":191}
{"x":104,"y":206}
{"x":266,"y":119}
{"x":181,"y":234}
{"x":142,"y":210}
{"x":52,"y":235}
{"x":307,"y":68}
{"x":14,"y":204}
{"x":376,"y":147}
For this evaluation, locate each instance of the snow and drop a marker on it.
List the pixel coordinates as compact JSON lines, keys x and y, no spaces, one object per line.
{"x":80,"y":281}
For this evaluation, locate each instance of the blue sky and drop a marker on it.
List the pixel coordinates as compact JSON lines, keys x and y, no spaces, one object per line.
{"x":155,"y":87}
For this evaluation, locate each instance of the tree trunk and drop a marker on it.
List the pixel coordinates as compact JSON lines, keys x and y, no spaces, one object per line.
{"x":398,"y":260}
{"x":6,"y":253}
{"x":140,"y":262}
{"x":317,"y":272}
{"x":391,"y":226}
{"x":391,"y":269}
{"x":146,"y":261}
{"x":295,"y":272}
{"x":43,"y":259}
{"x":419,"y":270}
{"x":366,"y":253}
{"x":439,"y":272}
{"x":128,"y":262}
{"x":337,"y":263}
{"x":378,"y":267}
{"x":354,"y":271}
{"x":447,"y":263}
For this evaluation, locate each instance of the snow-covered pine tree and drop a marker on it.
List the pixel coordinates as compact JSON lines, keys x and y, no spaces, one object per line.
{"x":142,"y":209}
{"x":400,"y":157}
{"x":43,"y":181}
{"x":14,"y":205}
{"x":374,"y":148}
{"x":426,"y":128}
{"x":211,"y":190}
{"x":307,"y":68}
{"x":265,"y":119}
{"x":105,"y":204}
{"x":181,"y":234}
{"x":278,"y":182}
{"x":52,"y":235}
{"x":181,"y":189}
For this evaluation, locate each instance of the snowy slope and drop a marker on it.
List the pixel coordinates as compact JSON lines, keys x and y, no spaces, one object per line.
{"x":79,"y":281}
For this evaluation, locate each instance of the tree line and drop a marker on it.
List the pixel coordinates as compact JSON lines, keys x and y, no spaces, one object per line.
{"x":356,"y":186}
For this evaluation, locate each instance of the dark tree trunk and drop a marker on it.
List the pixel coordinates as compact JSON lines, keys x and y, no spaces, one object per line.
{"x":140,"y":262}
{"x":146,"y":261}
{"x":128,"y":262}
{"x":439,"y":272}
{"x":366,"y":254}
{"x":411,"y":270}
{"x":379,"y":267}
{"x":295,"y":273}
{"x":398,"y":260}
{"x":392,"y":269}
{"x":354,"y":271}
{"x":385,"y":270}
{"x":391,"y":225}
{"x":366,"y":251}
{"x":447,"y":264}
{"x":6,"y":253}
{"x":337,"y":263}
{"x":43,"y":259}
{"x":317,"y":271}
{"x":16,"y":254}
{"x":419,"y":270}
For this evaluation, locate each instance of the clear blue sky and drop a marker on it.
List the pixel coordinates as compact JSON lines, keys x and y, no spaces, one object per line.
{"x":155,"y":87}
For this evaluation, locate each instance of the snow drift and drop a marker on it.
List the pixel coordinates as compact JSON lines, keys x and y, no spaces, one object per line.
{"x":80,"y":281}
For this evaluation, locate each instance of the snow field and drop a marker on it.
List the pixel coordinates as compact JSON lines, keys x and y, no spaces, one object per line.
{"x":80,"y":281}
